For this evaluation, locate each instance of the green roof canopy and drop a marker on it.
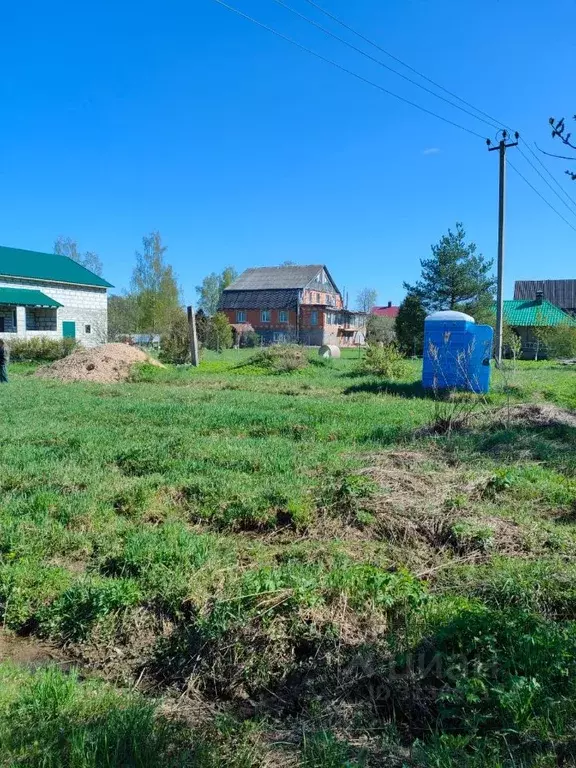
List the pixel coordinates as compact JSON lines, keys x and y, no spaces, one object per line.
{"x":535,"y":313}
{"x":14,"y":262}
{"x":24,"y":298}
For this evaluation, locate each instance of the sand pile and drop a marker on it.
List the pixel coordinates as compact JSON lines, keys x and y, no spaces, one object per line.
{"x":106,"y":364}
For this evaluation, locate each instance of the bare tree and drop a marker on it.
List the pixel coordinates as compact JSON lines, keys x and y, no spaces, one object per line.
{"x":366,"y":299}
{"x":65,"y":246}
{"x":559,"y":132}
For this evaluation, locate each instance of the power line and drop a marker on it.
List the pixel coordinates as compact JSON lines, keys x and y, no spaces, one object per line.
{"x":345,"y":69}
{"x":412,"y":69}
{"x":554,"y":179}
{"x":308,"y":20}
{"x":540,"y":195}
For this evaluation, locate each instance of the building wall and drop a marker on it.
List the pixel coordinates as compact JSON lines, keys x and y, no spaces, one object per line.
{"x":319,"y":295}
{"x":82,"y":305}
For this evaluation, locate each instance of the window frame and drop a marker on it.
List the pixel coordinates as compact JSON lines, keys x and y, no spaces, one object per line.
{"x":283,"y":316}
{"x":314,"y":317}
{"x":265,"y":316}
{"x":87,"y":328}
{"x":240,"y":315}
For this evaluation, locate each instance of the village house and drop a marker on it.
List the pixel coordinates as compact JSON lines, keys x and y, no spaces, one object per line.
{"x":388,"y":311}
{"x":524,"y":317}
{"x":561,"y":293}
{"x":43,"y":294}
{"x":292,"y":304}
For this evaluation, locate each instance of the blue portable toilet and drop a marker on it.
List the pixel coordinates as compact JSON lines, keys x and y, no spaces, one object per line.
{"x":457,"y":352}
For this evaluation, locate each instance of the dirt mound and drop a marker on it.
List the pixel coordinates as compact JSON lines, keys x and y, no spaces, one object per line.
{"x":106,"y":364}
{"x":537,"y":415}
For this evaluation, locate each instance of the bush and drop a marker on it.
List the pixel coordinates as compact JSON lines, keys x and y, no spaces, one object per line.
{"x":380,"y":329}
{"x":250,"y":339}
{"x":385,"y":361}
{"x":560,"y":341}
{"x":219,"y":333}
{"x":281,"y":358}
{"x":175,"y":346}
{"x":40,"y":349}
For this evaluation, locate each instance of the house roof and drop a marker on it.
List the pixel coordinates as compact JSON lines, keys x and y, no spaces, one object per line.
{"x":385,"y":311}
{"x":32,"y":265}
{"x":562,"y":293}
{"x":534,"y":313}
{"x":275,"y":278}
{"x":265,"y":299}
{"x":22,"y":297}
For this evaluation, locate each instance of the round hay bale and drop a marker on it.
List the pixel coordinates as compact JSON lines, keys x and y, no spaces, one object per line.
{"x":329,"y":350}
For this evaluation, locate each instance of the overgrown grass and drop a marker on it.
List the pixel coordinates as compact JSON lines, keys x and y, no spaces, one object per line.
{"x":267,"y":548}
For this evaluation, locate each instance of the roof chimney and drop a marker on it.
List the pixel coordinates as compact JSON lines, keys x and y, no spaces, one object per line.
{"x":389,"y":304}
{"x":539,"y":297}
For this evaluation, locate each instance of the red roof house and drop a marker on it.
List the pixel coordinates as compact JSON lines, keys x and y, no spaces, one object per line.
{"x":388,"y":311}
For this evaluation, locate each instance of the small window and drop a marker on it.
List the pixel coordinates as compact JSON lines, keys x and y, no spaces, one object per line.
{"x":283,"y":316}
{"x":317,"y":298}
{"x":265,"y":315}
{"x":87,"y":329}
{"x":241,"y":316}
{"x":314,"y":318}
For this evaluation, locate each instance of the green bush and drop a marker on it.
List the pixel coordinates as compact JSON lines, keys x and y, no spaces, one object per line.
{"x":386,"y":360}
{"x":175,"y":345}
{"x":280,"y":358}
{"x":40,"y":349}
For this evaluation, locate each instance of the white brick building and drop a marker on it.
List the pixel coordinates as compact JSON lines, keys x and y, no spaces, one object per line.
{"x":43,"y":294}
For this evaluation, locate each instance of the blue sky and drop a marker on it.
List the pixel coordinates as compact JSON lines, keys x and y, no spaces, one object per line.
{"x":120,"y":118}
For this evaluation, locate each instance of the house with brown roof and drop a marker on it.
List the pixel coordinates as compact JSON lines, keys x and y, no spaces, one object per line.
{"x":561,"y":293}
{"x":292,"y":304}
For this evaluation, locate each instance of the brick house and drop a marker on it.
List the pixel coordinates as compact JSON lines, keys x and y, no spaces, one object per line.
{"x":43,"y":294}
{"x":293,"y":303}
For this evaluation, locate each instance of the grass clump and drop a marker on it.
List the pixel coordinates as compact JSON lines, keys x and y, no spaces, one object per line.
{"x":280,"y":358}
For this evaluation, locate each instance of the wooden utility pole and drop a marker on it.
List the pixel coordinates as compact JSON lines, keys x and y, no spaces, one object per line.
{"x":502,"y":147}
{"x":194,"y":356}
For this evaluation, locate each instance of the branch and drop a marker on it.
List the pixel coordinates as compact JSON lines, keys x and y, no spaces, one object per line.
{"x":560,"y":157}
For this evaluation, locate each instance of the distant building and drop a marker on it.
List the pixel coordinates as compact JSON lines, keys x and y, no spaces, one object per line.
{"x":561,"y":293}
{"x":294,"y":303}
{"x":42,"y":294}
{"x":388,"y":311}
{"x":525,"y":316}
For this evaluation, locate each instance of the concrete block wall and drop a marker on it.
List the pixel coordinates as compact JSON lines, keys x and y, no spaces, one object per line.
{"x":84,"y":305}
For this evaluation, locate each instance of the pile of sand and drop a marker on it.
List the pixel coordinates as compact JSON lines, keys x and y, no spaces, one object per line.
{"x":106,"y":364}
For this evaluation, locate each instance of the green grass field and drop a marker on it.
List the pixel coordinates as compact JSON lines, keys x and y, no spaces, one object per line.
{"x":231,"y":567}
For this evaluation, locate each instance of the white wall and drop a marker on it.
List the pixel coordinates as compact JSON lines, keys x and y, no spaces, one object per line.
{"x":82,"y":305}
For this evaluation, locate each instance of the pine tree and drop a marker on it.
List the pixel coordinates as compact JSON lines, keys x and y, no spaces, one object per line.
{"x":410,"y":325}
{"x":455,"y":277}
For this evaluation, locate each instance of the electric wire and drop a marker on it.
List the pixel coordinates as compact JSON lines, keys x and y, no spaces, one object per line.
{"x":326,"y":31}
{"x":345,"y":69}
{"x":549,"y":204}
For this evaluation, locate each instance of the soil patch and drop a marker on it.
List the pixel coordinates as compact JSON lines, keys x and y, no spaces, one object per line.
{"x":27,"y":651}
{"x":107,"y":364}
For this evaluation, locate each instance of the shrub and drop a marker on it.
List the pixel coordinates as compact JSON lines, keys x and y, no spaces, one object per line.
{"x":560,"y":341}
{"x":219,"y":333}
{"x":250,"y":339}
{"x":40,"y":349}
{"x":380,"y":329}
{"x":385,"y":361}
{"x":175,"y":346}
{"x":280,"y":358}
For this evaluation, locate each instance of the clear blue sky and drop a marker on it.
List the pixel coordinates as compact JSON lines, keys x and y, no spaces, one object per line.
{"x":123,"y":117}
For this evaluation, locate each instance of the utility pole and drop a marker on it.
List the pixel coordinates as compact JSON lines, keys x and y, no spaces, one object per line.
{"x":502,"y":147}
{"x":195,"y":358}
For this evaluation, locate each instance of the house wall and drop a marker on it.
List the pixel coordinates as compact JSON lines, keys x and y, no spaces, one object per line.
{"x":319,"y":295}
{"x":80,"y":304}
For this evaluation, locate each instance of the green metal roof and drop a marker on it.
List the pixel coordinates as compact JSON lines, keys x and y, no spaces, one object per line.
{"x":534,"y":313}
{"x":14,"y":262}
{"x":25,"y":298}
